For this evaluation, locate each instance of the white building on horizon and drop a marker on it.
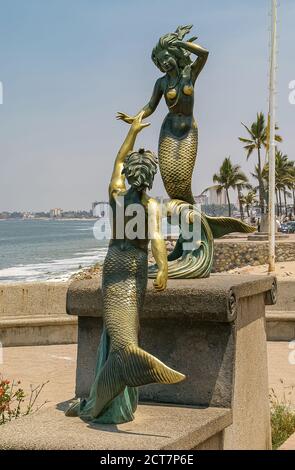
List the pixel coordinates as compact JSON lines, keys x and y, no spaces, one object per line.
{"x":57,"y":212}
{"x":215,"y":198}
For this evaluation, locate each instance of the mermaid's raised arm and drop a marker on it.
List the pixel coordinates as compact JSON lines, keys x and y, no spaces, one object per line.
{"x":201,"y":60}
{"x":149,"y":108}
{"x":117,"y":183}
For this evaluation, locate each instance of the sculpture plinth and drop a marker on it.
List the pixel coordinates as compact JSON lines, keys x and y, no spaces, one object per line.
{"x":213,"y":330}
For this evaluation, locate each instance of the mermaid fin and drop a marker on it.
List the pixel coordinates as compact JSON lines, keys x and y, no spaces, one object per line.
{"x":131,"y":367}
{"x":221,"y":226}
{"x":141,"y":368}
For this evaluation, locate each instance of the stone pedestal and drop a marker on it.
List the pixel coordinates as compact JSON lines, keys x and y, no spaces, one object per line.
{"x":212,"y":330}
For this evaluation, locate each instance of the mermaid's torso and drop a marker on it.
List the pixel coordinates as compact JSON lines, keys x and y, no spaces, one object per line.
{"x":180,"y":102}
{"x":178,"y":141}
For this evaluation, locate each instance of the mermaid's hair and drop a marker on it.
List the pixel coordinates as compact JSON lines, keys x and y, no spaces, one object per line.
{"x":140,"y":169}
{"x":181,"y":55}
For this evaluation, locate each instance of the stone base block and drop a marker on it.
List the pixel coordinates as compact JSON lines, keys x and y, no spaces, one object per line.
{"x":157,"y":427}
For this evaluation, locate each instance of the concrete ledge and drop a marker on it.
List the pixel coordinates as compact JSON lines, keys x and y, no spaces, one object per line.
{"x":157,"y":427}
{"x":37,"y":330}
{"x":280,"y":326}
{"x":285,"y":297}
{"x":211,"y":300}
{"x":35,"y":298}
{"x":263,"y":236}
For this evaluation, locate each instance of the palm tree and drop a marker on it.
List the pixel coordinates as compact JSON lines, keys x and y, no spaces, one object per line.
{"x":284,"y":168}
{"x":291,"y":184}
{"x":229,"y":177}
{"x":249,"y":200}
{"x":240,"y":187}
{"x":258,"y":138}
{"x":284,"y":179}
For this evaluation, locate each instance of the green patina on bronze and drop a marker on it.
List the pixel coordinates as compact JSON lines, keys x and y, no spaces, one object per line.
{"x":178,"y":146}
{"x":122,"y":365}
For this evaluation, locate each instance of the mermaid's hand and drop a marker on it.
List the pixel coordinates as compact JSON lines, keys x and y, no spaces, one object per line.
{"x":160,"y":283}
{"x":125,"y":117}
{"x":137,"y":124}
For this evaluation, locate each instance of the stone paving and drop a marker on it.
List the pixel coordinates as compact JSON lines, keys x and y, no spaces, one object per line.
{"x":56,"y":364}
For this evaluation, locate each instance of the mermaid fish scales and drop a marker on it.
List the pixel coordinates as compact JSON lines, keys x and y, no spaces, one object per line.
{"x":124,"y":284}
{"x":177,"y":159}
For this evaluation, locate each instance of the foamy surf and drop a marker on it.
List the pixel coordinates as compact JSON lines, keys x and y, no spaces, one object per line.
{"x":55,"y":270}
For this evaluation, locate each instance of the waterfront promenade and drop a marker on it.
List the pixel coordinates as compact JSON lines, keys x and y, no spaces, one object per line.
{"x":57,"y":364}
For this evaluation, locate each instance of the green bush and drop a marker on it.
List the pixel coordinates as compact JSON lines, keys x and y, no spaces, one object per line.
{"x":14,"y":402}
{"x":282,"y":420}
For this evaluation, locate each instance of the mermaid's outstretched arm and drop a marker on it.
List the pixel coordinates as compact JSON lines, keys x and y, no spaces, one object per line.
{"x":149,"y":108}
{"x":155,"y":99}
{"x":117,"y":183}
{"x":201,"y":60}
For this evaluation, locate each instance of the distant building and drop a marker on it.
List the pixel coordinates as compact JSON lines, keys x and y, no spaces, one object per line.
{"x":54,"y":213}
{"x":202,"y":199}
{"x":28,"y":215}
{"x":215,"y":198}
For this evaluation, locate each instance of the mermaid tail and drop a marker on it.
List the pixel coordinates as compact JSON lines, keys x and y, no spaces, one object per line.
{"x":190,"y":263}
{"x":197,"y":263}
{"x":128,"y":367}
{"x":177,"y":158}
{"x":120,"y":410}
{"x":122,"y":364}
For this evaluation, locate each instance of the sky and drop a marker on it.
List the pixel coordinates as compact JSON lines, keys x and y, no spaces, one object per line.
{"x":67,"y":67}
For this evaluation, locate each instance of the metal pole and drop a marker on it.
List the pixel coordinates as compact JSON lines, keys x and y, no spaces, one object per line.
{"x":272,"y":142}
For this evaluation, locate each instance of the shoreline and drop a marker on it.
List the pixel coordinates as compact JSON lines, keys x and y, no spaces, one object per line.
{"x":61,"y":219}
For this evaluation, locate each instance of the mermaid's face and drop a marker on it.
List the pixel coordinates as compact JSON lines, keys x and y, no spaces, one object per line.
{"x":166,"y":61}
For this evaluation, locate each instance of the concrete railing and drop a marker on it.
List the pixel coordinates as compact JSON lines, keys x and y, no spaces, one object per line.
{"x":213,"y":330}
{"x":35,"y":314}
{"x":281,"y":317}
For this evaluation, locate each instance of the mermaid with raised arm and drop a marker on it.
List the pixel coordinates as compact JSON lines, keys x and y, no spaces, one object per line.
{"x":122,"y":365}
{"x":178,"y":146}
{"x":178,"y":142}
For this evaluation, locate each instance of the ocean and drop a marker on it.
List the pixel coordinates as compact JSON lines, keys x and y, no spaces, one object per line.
{"x":39,"y":250}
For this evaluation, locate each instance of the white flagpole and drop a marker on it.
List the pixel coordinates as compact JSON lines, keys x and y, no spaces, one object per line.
{"x":272,"y":142}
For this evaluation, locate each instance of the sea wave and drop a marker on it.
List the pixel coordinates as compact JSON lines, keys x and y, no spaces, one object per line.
{"x":56,"y":269}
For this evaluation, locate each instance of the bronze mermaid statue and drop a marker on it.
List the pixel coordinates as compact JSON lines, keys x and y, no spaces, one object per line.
{"x":178,"y":146}
{"x":122,"y":365}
